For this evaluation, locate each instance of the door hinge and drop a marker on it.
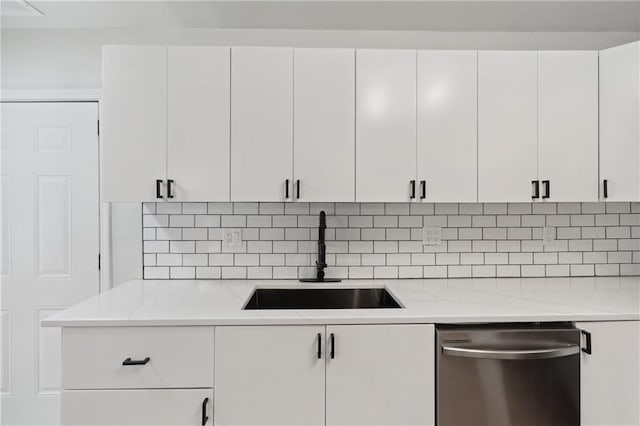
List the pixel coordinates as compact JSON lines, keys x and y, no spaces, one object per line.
{"x":98,"y":127}
{"x":99,"y":259}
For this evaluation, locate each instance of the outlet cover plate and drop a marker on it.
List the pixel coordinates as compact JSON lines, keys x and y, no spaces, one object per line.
{"x":431,"y":235}
{"x":232,"y":238}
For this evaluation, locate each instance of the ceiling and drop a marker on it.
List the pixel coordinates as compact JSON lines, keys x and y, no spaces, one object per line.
{"x":416,"y":15}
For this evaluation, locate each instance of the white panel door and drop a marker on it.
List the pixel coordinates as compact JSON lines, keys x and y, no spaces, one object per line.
{"x":620,"y":122}
{"x":50,"y":245}
{"x":133,"y":140}
{"x":261,"y":123}
{"x":568,"y":125}
{"x":507,"y":125}
{"x":610,"y":375}
{"x":447,"y":126}
{"x":269,"y":375}
{"x":199,"y":93}
{"x":176,"y":407}
{"x":385,"y":125}
{"x":324,"y":124}
{"x":372,"y":379}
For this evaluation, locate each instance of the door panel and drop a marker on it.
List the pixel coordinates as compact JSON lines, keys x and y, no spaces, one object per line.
{"x":620,"y":122}
{"x":448,"y":125}
{"x":507,"y":125}
{"x":269,"y":375}
{"x":261,"y":123}
{"x":568,"y":124}
{"x":385,"y":124}
{"x":134,"y":122}
{"x":177,"y":407}
{"x":610,"y":375}
{"x":324,"y":124}
{"x":50,"y":198}
{"x":374,"y":380}
{"x":199,"y":93}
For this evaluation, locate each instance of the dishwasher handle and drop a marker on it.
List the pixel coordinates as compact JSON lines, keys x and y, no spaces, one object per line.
{"x":511,"y":354}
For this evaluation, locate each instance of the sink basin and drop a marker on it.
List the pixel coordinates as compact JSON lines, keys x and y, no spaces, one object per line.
{"x":321,"y":298}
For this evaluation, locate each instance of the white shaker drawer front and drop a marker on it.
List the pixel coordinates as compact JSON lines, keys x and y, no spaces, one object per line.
{"x":137,"y":357}
{"x":155,"y":407}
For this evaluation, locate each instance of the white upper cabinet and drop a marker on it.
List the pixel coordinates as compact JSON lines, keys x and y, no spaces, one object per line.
{"x":447,"y":126}
{"x":198,"y":123}
{"x":610,"y":374}
{"x":385,"y":125}
{"x":133,"y":145}
{"x":507,"y":125}
{"x":568,"y":125}
{"x":261,"y":123}
{"x":324,"y":125}
{"x":620,"y":123}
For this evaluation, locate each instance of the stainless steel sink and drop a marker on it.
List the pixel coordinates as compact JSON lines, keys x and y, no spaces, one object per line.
{"x":321,"y":298}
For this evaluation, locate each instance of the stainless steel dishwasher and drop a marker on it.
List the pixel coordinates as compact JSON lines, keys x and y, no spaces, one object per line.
{"x":502,"y":375}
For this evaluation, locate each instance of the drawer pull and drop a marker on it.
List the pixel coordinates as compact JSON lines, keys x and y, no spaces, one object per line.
{"x":204,"y":411}
{"x":130,"y":361}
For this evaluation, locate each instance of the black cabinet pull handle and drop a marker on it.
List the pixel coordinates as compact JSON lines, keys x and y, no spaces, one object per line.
{"x":333,"y":346}
{"x":605,"y":189}
{"x":536,"y":189}
{"x":423,"y":189}
{"x":286,"y":189}
{"x":159,"y":189}
{"x":587,"y":337}
{"x":204,"y":411}
{"x":130,"y":361}
{"x":169,"y":187}
{"x":298,"y":189}
{"x":547,"y":188}
{"x":413,"y":189}
{"x":319,"y":345}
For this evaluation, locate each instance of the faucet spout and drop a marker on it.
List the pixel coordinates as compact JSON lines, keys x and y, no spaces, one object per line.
{"x":321,"y":263}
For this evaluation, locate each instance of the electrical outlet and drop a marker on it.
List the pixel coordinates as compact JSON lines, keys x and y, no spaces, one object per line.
{"x":232,"y":238}
{"x":431,"y":235}
{"x":548,"y":235}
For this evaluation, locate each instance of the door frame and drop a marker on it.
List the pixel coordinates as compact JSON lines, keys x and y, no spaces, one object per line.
{"x":75,"y":95}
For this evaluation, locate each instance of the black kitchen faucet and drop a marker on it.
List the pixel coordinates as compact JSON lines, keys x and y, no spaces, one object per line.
{"x":321,"y":263}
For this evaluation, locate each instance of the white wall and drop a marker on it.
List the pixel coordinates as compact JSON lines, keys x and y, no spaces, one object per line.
{"x":71,"y":58}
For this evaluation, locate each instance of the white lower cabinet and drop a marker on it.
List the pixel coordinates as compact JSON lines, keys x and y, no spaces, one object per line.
{"x":309,"y":375}
{"x":179,"y":407}
{"x":381,"y":375}
{"x":269,"y":375}
{"x":610,"y":374}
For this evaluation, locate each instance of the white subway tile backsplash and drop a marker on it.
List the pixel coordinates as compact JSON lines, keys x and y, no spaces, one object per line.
{"x":377,"y":240}
{"x":181,"y":220}
{"x":298,"y":208}
{"x":495,"y":208}
{"x":459,"y":271}
{"x":483,"y":271}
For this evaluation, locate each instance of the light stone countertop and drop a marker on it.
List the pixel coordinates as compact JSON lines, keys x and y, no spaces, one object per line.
{"x":219,"y":302}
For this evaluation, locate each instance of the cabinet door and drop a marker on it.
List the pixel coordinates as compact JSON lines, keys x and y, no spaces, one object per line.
{"x":199,"y":92}
{"x":374,"y":380}
{"x":568,"y":124}
{"x":133,"y":140}
{"x":620,"y":122}
{"x":324,"y":124}
{"x":269,"y":375}
{"x":507,"y":125}
{"x":385,"y":124}
{"x":177,"y":407}
{"x":261,"y":123}
{"x":447,"y":126}
{"x":610,"y":375}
